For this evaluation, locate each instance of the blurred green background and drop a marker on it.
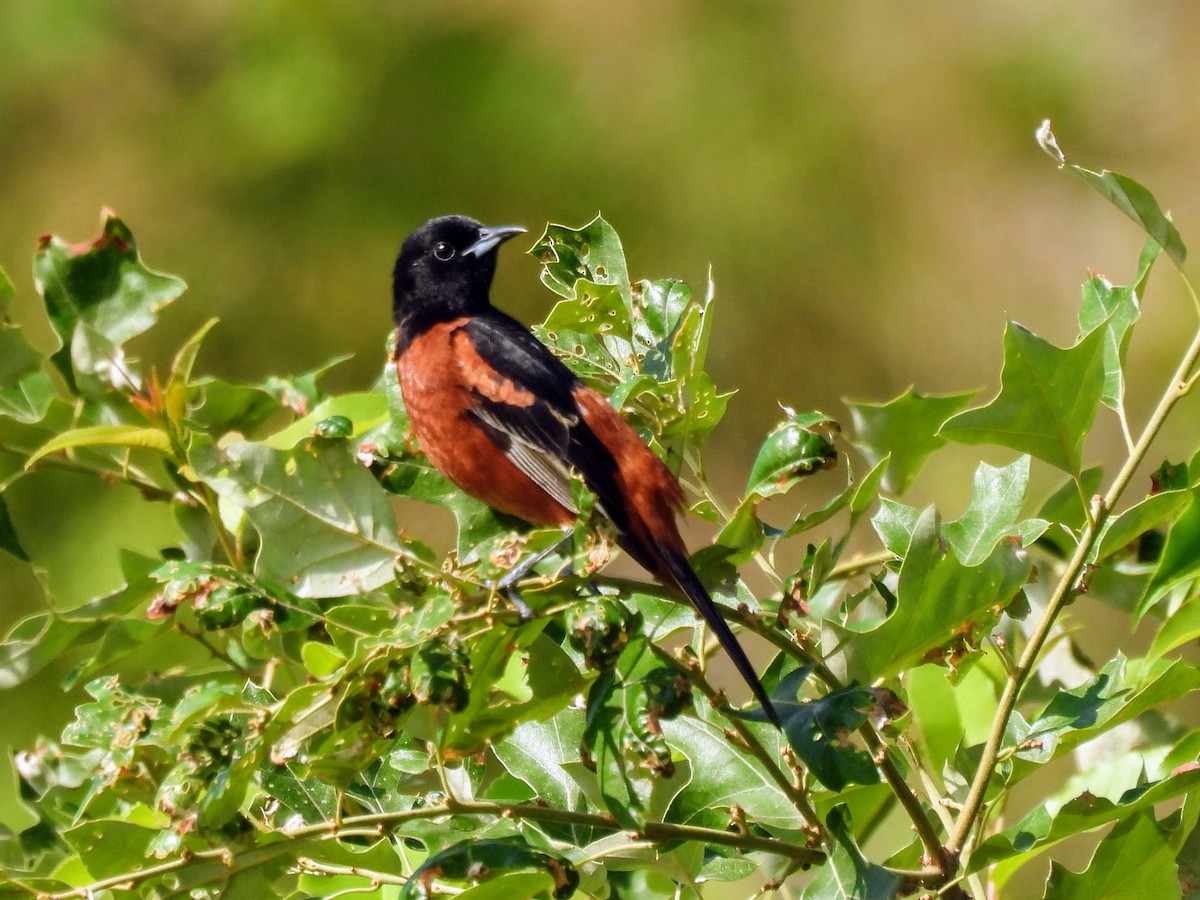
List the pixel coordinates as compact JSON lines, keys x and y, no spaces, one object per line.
{"x":862,"y":179}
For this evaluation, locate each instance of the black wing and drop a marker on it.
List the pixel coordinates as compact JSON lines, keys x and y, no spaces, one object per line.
{"x":538,"y":425}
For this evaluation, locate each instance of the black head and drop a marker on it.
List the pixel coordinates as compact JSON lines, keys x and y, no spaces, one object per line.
{"x":445,"y":269}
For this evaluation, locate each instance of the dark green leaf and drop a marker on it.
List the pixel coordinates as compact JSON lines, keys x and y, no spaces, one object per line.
{"x":1047,"y":401}
{"x":327,"y":529}
{"x":848,"y":874}
{"x":1125,"y":194}
{"x":820,"y":731}
{"x":936,"y":596}
{"x":796,"y":447}
{"x":906,"y":428}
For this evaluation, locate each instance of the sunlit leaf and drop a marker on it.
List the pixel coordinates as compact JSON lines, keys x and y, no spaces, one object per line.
{"x":1047,"y":401}
{"x":796,"y":447}
{"x":848,"y":874}
{"x":1045,"y":826}
{"x":936,"y":595}
{"x":326,"y":527}
{"x":1116,"y":309}
{"x":1135,"y":860}
{"x":98,"y":296}
{"x":129,"y":436}
{"x":906,"y":428}
{"x":1180,"y":560}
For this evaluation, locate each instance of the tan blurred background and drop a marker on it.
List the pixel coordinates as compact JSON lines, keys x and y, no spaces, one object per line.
{"x":862,"y":178}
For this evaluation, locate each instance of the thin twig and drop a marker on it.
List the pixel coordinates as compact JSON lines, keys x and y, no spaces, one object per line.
{"x":1068,"y":586}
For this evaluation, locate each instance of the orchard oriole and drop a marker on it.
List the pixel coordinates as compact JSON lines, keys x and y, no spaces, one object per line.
{"x":499,"y":415}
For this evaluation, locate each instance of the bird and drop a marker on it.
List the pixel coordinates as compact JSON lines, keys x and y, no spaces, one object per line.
{"x":496,"y":412}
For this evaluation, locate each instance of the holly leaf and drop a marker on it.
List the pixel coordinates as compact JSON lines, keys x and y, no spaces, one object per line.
{"x":1135,"y":859}
{"x":1116,"y":309}
{"x":325,"y":524}
{"x":99,"y":296}
{"x":1047,"y":401}
{"x":848,"y":874}
{"x":905,"y":427}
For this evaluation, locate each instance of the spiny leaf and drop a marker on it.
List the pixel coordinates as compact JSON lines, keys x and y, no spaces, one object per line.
{"x":905,"y":427}
{"x":848,"y":874}
{"x":326,"y":527}
{"x":1046,"y":825}
{"x":1047,"y":401}
{"x":98,"y":296}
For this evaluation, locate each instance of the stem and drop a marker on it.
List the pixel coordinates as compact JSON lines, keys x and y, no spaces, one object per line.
{"x":378,"y":823}
{"x":1068,"y":586}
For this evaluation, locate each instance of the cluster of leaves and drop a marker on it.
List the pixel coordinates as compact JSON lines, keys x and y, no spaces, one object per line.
{"x":366,"y":714}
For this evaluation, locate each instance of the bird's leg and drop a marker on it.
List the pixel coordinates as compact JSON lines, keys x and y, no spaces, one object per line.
{"x":508,"y":584}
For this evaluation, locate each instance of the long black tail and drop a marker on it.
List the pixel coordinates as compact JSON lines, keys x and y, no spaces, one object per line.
{"x":681,"y":572}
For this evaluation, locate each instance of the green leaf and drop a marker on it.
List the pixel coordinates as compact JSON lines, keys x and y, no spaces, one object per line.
{"x":1135,"y":860}
{"x":42,"y":639}
{"x":721,"y":778}
{"x":996,"y":501}
{"x":1047,"y":401}
{"x":1151,"y":512}
{"x":848,"y":874}
{"x":1116,"y":309}
{"x":659,"y":308}
{"x":364,"y":410}
{"x":819,"y":731}
{"x":326,"y":527}
{"x":1125,"y":194}
{"x":936,"y":595}
{"x":591,"y":253}
{"x":1045,"y":826}
{"x":98,"y":296}
{"x":109,"y":847}
{"x":905,"y":427}
{"x":1180,"y":628}
{"x":129,"y":436}
{"x":479,"y":859}
{"x":25,"y":387}
{"x":535,"y":752}
{"x":1180,"y":560}
{"x":796,"y":447}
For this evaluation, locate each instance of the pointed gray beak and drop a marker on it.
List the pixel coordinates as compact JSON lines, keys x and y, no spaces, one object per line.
{"x":490,"y":238}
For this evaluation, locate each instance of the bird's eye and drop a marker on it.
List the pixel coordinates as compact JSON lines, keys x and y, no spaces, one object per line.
{"x":443,"y":251}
